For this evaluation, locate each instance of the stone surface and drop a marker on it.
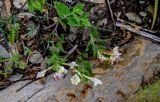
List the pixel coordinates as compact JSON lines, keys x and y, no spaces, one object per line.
{"x":96,"y":1}
{"x":36,"y":57}
{"x":134,"y":17}
{"x":20,"y":4}
{"x":15,"y":77}
{"x":3,"y":52}
{"x":140,"y":62}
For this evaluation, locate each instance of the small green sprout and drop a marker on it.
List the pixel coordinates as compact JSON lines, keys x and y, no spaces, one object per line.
{"x":34,"y":5}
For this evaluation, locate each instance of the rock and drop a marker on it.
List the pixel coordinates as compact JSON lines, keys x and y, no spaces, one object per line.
{"x":25,"y":14}
{"x":3,"y":52}
{"x":32,"y":29}
{"x":141,"y":2}
{"x":140,"y":62}
{"x":69,"y":1}
{"x":36,"y":58}
{"x":1,"y":3}
{"x":20,"y":4}
{"x":143,"y":14}
{"x":102,"y":22}
{"x":134,"y":17}
{"x":96,"y":1}
{"x":99,"y":71}
{"x":15,"y":77}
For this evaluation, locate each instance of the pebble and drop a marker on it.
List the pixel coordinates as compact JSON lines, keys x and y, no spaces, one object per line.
{"x":20,"y":4}
{"x":36,"y":57}
{"x":143,"y":14}
{"x":141,"y":2}
{"x":1,"y":3}
{"x":3,"y":52}
{"x":134,"y":17}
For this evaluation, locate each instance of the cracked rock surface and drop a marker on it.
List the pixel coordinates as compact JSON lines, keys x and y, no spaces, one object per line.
{"x":141,"y":62}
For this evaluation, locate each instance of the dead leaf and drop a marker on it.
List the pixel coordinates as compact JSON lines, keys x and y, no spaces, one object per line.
{"x":6,"y":9}
{"x":25,"y":14}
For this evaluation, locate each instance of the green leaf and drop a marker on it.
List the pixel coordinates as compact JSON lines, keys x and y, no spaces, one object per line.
{"x":15,"y":58}
{"x":94,"y":32}
{"x":78,"y":8}
{"x":30,"y":5}
{"x":56,"y":48}
{"x":62,"y":9}
{"x":21,"y":65}
{"x":35,"y":5}
{"x":3,"y":59}
{"x":73,"y":21}
{"x":86,"y":22}
{"x":13,"y":33}
{"x":85,"y":69}
{"x":55,"y":59}
{"x":87,"y":66}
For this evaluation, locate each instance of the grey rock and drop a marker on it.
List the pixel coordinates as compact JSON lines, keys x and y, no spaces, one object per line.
{"x":141,"y":2}
{"x":1,"y":3}
{"x":134,"y":17}
{"x":25,"y":14}
{"x":143,"y":14}
{"x":102,"y":22}
{"x":3,"y":52}
{"x":69,"y":1}
{"x":96,"y":1}
{"x":15,"y":77}
{"x":20,"y":4}
{"x":142,"y":60}
{"x":36,"y":57}
{"x":32,"y":29}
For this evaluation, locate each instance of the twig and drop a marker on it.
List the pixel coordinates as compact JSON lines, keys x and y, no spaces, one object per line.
{"x":48,"y":27}
{"x":71,"y":51}
{"x":110,"y":10}
{"x":138,"y":30}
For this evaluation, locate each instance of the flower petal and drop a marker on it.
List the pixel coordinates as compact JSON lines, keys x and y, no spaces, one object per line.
{"x":58,"y":76}
{"x":101,"y":57}
{"x":115,"y":55}
{"x":96,"y":82}
{"x":75,"y":80}
{"x":62,"y":70}
{"x":41,"y":74}
{"x":73,"y":64}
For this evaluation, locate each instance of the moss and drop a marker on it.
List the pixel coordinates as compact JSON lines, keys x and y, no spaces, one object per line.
{"x":149,"y":94}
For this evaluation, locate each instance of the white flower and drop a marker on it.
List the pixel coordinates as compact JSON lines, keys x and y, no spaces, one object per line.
{"x":58,"y":76}
{"x":96,"y":82}
{"x":62,"y":70}
{"x":101,"y":57}
{"x":75,"y":80}
{"x":73,"y":64}
{"x":115,"y":55}
{"x":41,"y":74}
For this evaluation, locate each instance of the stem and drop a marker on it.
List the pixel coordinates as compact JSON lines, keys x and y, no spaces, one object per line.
{"x":155,"y":14}
{"x":82,"y":75}
{"x":69,"y":14}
